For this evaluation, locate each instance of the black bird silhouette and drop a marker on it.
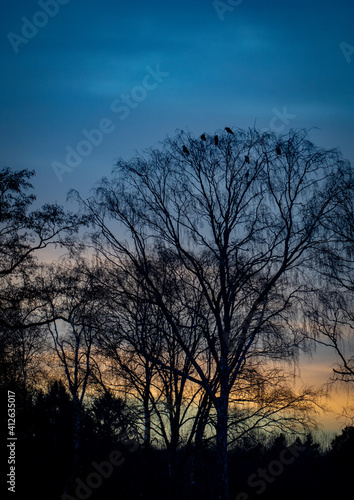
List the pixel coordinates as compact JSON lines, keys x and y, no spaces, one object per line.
{"x":216,"y":140}
{"x":203,"y":138}
{"x":247,"y":159}
{"x":228,"y":129}
{"x":185,"y":150}
{"x":278,"y":150}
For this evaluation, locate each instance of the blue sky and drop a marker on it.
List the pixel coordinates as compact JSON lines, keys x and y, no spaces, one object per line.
{"x":278,"y":64}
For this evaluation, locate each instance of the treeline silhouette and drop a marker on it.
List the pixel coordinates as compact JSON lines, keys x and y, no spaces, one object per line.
{"x":276,"y":467}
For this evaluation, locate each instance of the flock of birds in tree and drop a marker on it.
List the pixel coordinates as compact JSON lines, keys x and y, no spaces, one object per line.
{"x":216,"y":142}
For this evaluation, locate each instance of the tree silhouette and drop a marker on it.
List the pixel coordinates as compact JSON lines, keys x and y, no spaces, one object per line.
{"x":22,"y":235}
{"x":333,"y":312}
{"x":241,"y":242}
{"x":76,"y":301}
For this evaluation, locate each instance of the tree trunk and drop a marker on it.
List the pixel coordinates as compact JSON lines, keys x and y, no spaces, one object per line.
{"x":77,"y":430}
{"x":172,"y":452}
{"x":197,"y":467}
{"x":147,"y":424}
{"x":221,"y":445}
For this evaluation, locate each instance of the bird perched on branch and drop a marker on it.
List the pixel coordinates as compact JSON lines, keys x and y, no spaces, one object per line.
{"x":185,"y":150}
{"x":203,"y":138}
{"x":247,"y":159}
{"x":278,"y":150}
{"x":228,"y":129}
{"x":216,"y":140}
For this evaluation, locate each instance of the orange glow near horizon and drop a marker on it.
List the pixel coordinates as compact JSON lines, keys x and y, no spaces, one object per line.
{"x":316,"y":371}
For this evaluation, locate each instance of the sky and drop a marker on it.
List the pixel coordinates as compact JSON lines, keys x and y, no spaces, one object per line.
{"x":84,"y":82}
{"x":138,"y":71}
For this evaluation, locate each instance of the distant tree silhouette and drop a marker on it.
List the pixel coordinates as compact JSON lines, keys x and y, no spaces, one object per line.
{"x":113,"y":419}
{"x":344,"y":442}
{"x":51,"y":443}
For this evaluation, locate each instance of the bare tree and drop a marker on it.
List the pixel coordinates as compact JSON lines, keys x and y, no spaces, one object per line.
{"x":75,"y":300}
{"x":149,"y":362}
{"x":21,"y":359}
{"x":240,"y":217}
{"x":330,"y":312}
{"x":264,"y":399}
{"x":23,"y":234}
